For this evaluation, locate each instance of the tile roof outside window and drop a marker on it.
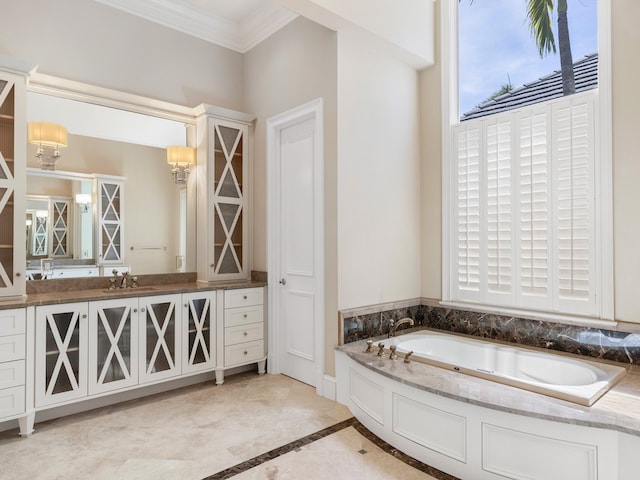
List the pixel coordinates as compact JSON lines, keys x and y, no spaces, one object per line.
{"x":541,"y":90}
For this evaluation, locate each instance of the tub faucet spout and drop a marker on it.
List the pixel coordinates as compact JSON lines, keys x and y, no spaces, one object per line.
{"x":125,"y":277}
{"x":395,"y":325}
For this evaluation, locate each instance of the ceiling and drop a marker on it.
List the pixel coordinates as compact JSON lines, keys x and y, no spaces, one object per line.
{"x":235,"y":24}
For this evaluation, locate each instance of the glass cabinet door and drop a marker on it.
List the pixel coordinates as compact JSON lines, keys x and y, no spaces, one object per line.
{"x":110,"y":222}
{"x":113,"y":340}
{"x":228,"y":201}
{"x":60,"y":227}
{"x":61,"y":353}
{"x":198,"y":343}
{"x":12,"y":168}
{"x":160,"y":337}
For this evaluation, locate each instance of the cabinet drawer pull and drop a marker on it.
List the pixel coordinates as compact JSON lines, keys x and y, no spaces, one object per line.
{"x":186,"y":305}
{"x":135,"y":310}
{"x":143,"y":310}
{"x":245,"y":352}
{"x":245,"y":297}
{"x":245,"y":315}
{"x":84,"y":315}
{"x":244,"y":333}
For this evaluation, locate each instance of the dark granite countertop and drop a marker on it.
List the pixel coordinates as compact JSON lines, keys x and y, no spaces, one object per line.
{"x":618,"y":409}
{"x":60,"y":294}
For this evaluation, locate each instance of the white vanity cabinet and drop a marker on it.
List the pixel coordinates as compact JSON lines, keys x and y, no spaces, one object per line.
{"x":113,"y":341}
{"x":60,"y":227}
{"x":160,"y":337}
{"x":13,"y":159}
{"x":198,"y":331}
{"x":61,"y":353}
{"x":223,"y":194}
{"x":12,"y":362}
{"x":243,"y":330}
{"x":110,"y":225}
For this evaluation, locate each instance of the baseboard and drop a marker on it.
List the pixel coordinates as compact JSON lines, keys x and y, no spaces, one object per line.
{"x":329,"y":387}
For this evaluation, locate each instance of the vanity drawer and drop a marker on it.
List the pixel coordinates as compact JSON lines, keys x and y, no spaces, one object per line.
{"x":11,"y":401}
{"x":243,"y":297}
{"x":243,"y":333}
{"x":242,"y":316}
{"x":244,"y":353}
{"x":12,"y":321}
{"x":11,"y":374}
{"x":12,"y":348}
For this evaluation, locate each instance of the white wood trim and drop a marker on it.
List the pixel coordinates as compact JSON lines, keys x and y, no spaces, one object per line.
{"x":313,"y":109}
{"x":83,"y":92}
{"x":604,"y":165}
{"x":238,"y":36}
{"x":449,"y":111}
{"x":329,"y":388}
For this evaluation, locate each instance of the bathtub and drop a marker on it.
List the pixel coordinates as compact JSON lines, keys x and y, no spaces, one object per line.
{"x":560,"y":376}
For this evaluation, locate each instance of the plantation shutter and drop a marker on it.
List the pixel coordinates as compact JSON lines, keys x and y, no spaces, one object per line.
{"x":467,"y":213}
{"x":499,"y":214}
{"x":534,"y":222}
{"x":573,"y":124}
{"x":524,"y":204}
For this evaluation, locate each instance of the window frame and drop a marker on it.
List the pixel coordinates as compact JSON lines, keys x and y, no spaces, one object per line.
{"x":604,"y":287}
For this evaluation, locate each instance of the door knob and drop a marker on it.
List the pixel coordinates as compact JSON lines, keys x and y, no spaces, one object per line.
{"x":283,"y":281}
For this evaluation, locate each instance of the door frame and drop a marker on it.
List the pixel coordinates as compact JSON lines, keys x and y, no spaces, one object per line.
{"x":313,"y":109}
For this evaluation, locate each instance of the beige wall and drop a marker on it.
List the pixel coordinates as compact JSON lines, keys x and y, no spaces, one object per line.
{"x":626,"y":162}
{"x":431,"y":179}
{"x":626,"y":165}
{"x":293,"y":67}
{"x":378,"y":176}
{"x":89,"y":42}
{"x":399,"y":28}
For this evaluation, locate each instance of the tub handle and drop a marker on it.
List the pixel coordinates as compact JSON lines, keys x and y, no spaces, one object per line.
{"x":369,"y":345}
{"x":381,"y":349}
{"x":406,"y":357}
{"x":393,"y":355}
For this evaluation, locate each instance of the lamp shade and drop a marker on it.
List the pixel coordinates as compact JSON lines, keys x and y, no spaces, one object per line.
{"x":181,"y":155}
{"x":83,"y":198}
{"x":48,"y":134}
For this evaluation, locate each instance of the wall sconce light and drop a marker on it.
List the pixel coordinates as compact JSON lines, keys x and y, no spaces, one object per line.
{"x":83,"y":200}
{"x":181,"y":159}
{"x":49,"y":137}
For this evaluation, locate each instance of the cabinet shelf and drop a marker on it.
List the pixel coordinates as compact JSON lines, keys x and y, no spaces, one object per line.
{"x":57,"y":352}
{"x":236,"y":154}
{"x":193,"y":330}
{"x":6,"y":116}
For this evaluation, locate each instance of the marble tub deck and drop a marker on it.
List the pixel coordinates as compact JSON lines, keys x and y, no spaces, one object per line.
{"x":618,"y":409}
{"x":252,"y":427}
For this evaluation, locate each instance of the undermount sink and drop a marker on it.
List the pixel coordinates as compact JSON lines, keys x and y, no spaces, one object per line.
{"x":130,"y":289}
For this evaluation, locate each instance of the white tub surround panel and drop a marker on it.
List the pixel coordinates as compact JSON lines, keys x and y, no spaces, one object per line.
{"x":473,"y":428}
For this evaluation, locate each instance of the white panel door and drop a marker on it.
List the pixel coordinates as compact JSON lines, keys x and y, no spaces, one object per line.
{"x":297,"y":244}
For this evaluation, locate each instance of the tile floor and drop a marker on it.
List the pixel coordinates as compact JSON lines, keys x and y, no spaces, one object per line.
{"x":203,"y":431}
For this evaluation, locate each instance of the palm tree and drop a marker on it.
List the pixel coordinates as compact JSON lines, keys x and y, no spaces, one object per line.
{"x":539,"y":13}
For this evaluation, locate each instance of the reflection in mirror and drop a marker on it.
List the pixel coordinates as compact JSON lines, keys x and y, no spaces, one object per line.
{"x":103,"y":142}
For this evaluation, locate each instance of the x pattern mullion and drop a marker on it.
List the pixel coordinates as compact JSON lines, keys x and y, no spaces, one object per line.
{"x":63,"y":346}
{"x":114,"y":339}
{"x":162,"y":341}
{"x":199,"y":323}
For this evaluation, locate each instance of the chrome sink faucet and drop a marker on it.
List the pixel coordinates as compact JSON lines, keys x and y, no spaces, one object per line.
{"x":125,"y":277}
{"x":394,"y":325}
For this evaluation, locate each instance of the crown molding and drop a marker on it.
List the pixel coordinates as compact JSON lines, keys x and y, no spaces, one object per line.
{"x":240,"y":37}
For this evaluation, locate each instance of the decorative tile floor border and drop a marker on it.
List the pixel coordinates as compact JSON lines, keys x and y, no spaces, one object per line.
{"x":325,"y":432}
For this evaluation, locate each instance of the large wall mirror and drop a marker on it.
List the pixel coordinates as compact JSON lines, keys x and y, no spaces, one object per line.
{"x":130,"y":145}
